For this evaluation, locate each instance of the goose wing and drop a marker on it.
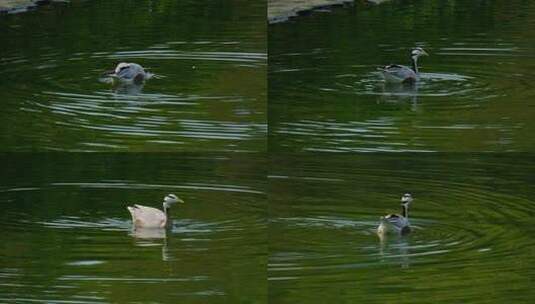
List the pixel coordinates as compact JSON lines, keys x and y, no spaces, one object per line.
{"x":397,"y":221}
{"x":127,"y":73}
{"x":131,"y":71}
{"x":148,"y":217}
{"x":398,"y":73}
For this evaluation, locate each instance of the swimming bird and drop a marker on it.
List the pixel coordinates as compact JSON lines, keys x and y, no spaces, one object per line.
{"x":395,"y":222}
{"x":401,"y":73}
{"x":148,"y":217}
{"x":128,"y":73}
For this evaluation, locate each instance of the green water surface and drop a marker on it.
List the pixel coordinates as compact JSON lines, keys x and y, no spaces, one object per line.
{"x":475,"y":93}
{"x":472,"y":220}
{"x":208,"y":92}
{"x":67,"y":236}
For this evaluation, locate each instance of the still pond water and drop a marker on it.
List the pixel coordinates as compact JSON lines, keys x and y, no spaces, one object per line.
{"x":472,"y":240}
{"x":67,"y":237}
{"x":476,"y":92}
{"x":208,"y":93}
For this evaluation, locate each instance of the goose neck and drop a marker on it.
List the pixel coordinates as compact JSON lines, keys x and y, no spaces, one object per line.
{"x":414,"y":63}
{"x":405,"y":211}
{"x":167,"y":212}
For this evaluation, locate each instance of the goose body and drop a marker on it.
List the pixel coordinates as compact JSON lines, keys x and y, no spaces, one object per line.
{"x":403,"y":74}
{"x":397,"y":223}
{"x":128,"y":73}
{"x":149,"y":217}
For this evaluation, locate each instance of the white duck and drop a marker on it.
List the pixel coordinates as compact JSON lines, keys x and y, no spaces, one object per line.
{"x":148,"y":217}
{"x":396,"y":222}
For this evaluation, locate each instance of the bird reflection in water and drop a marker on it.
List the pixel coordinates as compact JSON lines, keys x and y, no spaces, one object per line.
{"x":399,"y":93}
{"x":128,"y":88}
{"x":152,"y":237}
{"x":395,"y":249}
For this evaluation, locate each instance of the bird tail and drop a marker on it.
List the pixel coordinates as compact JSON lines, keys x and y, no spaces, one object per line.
{"x":131,"y":209}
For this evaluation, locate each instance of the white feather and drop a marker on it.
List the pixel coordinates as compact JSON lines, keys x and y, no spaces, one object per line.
{"x":149,"y":217}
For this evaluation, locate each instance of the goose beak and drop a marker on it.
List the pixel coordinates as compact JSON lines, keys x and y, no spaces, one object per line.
{"x":109,"y":73}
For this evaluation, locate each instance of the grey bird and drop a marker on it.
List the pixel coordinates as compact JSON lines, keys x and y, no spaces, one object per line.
{"x":128,"y":73}
{"x":403,"y":74}
{"x":395,"y":222}
{"x":148,"y":217}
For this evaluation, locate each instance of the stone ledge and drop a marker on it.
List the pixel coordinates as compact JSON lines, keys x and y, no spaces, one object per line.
{"x":20,"y":6}
{"x":282,"y":10}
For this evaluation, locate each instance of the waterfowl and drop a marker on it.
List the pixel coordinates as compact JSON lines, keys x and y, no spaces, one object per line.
{"x":395,"y":222}
{"x":401,"y":73}
{"x":128,"y":73}
{"x":148,"y":217}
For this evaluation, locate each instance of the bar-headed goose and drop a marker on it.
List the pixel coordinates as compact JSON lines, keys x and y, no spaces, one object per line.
{"x":128,"y":73}
{"x":395,"y":222}
{"x":148,"y":217}
{"x":403,"y":74}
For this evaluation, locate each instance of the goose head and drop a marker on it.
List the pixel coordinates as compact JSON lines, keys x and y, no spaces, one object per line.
{"x":171,"y":199}
{"x":417,"y":52}
{"x":406,"y":199}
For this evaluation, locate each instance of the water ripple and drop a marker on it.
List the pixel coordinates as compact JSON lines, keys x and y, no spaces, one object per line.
{"x":159,"y":54}
{"x":102,"y":114}
{"x":464,"y":214}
